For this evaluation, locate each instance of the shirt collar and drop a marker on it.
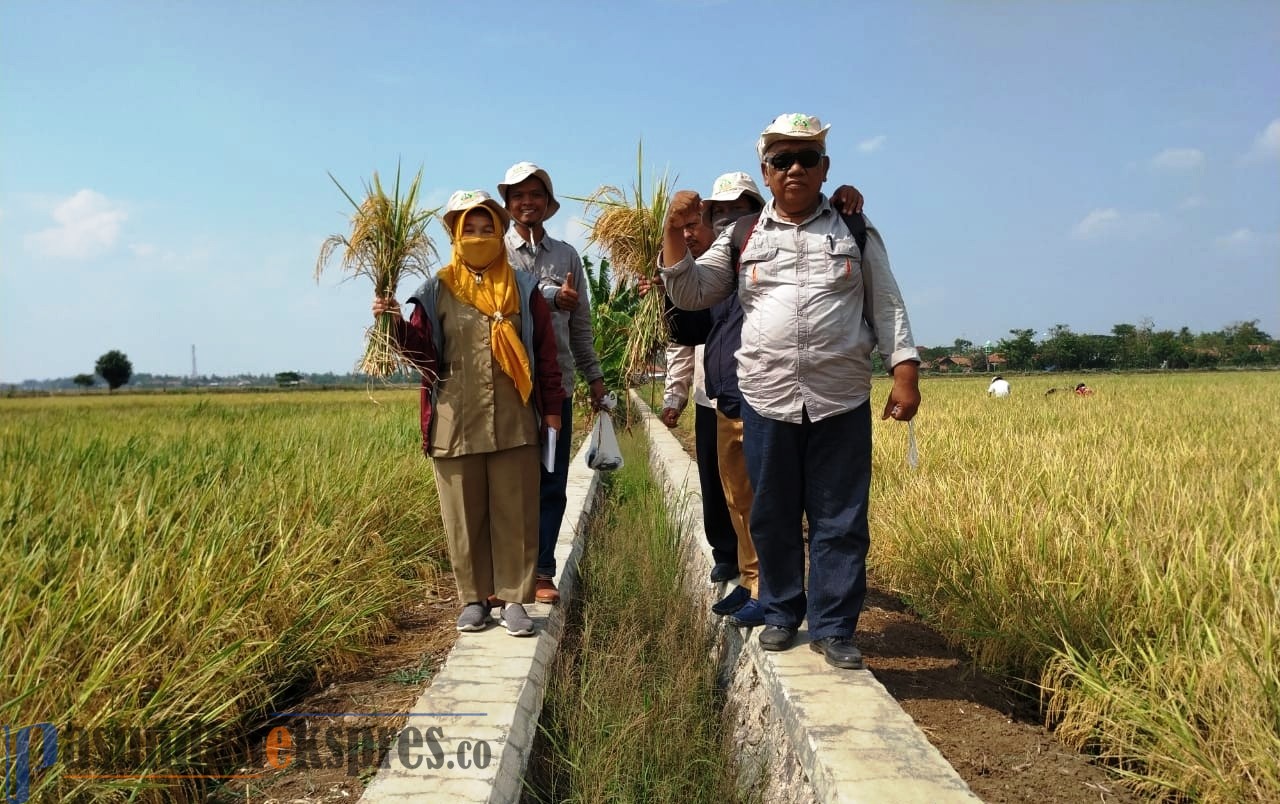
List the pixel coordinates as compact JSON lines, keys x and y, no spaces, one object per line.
{"x":515,"y":241}
{"x":824,"y":207}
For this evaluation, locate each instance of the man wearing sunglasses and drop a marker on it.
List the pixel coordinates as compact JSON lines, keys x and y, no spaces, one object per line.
{"x":814,"y":307}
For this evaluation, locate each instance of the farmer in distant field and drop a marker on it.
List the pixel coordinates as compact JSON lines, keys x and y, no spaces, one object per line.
{"x":999,"y":386}
{"x":810,"y":322}
{"x":481,"y":334}
{"x":527,"y":192}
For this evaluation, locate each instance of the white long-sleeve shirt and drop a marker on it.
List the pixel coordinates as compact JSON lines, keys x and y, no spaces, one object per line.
{"x":805,"y":345}
{"x":684,"y":363}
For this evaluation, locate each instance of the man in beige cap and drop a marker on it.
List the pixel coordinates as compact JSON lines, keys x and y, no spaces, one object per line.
{"x":814,"y":305}
{"x":530,"y":199}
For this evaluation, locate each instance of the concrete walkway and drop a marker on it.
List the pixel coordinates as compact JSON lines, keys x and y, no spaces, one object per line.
{"x":848,"y":736}
{"x":829,"y":735}
{"x":485,"y":701}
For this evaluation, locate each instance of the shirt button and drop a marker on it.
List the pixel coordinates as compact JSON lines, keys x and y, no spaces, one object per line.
{"x":488,"y":386}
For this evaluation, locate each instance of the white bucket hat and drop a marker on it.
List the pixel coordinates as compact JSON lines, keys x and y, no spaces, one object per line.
{"x":793,"y":127}
{"x":463,"y":200}
{"x":732,"y":186}
{"x":523,"y":170}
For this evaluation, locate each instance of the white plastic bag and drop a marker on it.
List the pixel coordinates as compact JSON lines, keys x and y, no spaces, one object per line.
{"x":603,"y":453}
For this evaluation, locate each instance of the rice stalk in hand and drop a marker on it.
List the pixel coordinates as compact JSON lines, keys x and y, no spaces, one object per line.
{"x":628,"y":228}
{"x":388,"y":240}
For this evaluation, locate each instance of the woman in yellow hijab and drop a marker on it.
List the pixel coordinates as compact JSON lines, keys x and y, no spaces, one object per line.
{"x":481,"y":334}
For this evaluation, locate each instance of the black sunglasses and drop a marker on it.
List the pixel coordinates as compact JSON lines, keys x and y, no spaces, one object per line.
{"x":784,"y":161}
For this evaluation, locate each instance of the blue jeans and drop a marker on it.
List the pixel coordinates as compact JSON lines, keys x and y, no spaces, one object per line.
{"x":552,"y":499}
{"x":823,"y":471}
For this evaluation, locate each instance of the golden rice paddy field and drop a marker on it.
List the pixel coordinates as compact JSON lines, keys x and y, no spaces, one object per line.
{"x":180,"y":560}
{"x":183,"y":559}
{"x":1122,"y":551}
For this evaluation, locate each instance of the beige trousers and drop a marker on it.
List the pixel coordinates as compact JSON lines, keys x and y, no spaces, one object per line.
{"x":738,"y":496}
{"x":489,"y":503}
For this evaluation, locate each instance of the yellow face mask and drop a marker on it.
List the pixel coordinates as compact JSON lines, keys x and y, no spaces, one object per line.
{"x":478,"y":252}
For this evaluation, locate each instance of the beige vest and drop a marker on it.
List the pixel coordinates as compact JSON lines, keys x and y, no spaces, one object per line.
{"x":478,"y":408}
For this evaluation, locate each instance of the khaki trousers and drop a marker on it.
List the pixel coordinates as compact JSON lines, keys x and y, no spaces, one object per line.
{"x":489,"y":504}
{"x":738,"y":496}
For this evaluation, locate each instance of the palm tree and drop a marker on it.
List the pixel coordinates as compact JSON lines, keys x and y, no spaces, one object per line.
{"x":388,"y":240}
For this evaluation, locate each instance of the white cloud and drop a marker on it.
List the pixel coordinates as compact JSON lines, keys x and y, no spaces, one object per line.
{"x":1267,"y":144}
{"x":1178,"y":159}
{"x":873,"y":144}
{"x":87,"y":224}
{"x":1095,"y":223}
{"x":1246,"y":242}
{"x":1191,"y":202}
{"x":1111,"y":222}
{"x":143,"y":250}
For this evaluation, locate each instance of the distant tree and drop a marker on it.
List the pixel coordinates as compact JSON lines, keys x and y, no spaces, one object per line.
{"x":1019,"y":350}
{"x":1167,"y":350}
{"x":288,"y":378}
{"x":115,"y":368}
{"x":84,"y":380}
{"x":1061,"y":349}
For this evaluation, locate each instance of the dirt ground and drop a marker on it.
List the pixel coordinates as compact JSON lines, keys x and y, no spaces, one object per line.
{"x":989,"y":733}
{"x":390,"y":679}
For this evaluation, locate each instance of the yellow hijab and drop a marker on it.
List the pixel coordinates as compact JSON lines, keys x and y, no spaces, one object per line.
{"x":490,"y":289}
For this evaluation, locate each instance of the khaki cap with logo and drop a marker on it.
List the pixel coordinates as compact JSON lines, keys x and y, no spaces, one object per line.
{"x":463,"y":200}
{"x":793,"y":126}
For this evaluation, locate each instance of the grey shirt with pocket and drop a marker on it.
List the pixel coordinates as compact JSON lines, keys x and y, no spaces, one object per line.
{"x":551,"y":261}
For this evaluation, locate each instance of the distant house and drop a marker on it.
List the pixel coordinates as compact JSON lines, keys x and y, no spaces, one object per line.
{"x":996,"y":360}
{"x":953,"y":362}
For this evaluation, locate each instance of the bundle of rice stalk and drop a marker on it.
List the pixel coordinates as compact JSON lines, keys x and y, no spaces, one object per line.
{"x":388,"y":240}
{"x":629,"y":231}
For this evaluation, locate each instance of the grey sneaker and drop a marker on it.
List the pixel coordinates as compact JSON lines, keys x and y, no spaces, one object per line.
{"x":474,"y":617}
{"x":516,"y":620}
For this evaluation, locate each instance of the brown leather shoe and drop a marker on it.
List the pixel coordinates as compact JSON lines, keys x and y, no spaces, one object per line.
{"x":545,"y":591}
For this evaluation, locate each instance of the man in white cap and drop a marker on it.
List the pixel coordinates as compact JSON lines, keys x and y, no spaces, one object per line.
{"x":530,"y":199}
{"x":712,"y":365}
{"x":815,"y":305}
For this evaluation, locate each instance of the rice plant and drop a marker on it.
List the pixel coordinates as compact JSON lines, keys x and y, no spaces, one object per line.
{"x":1121,"y":552}
{"x":628,"y":229}
{"x":388,"y":240}
{"x":181,"y":561}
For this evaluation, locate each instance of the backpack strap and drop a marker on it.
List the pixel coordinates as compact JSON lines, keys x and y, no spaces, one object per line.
{"x":857,"y":226}
{"x":738,"y":237}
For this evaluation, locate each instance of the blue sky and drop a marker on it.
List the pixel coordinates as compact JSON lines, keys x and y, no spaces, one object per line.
{"x":163,"y":166}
